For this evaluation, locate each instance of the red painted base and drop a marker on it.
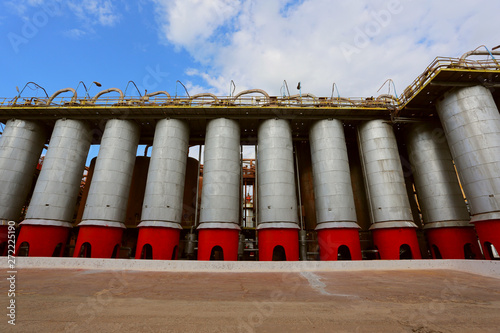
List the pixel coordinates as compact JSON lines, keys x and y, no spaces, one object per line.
{"x":226,"y":239}
{"x":269,"y":239}
{"x":389,"y":242}
{"x":163,"y":243}
{"x":4,"y":230}
{"x":43,"y":241}
{"x":451,"y":243}
{"x":104,"y":242}
{"x":330,"y":240}
{"x":488,"y":233}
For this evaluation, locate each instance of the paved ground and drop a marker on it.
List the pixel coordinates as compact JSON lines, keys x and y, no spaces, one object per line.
{"x":59,"y":300}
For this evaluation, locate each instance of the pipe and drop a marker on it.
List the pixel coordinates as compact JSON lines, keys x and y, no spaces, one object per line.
{"x":145,"y":98}
{"x":100,"y":93}
{"x":60,"y":91}
{"x":476,"y":52}
{"x":250,"y":91}
{"x":204,"y":95}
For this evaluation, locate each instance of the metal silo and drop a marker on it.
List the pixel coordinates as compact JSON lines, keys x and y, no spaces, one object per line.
{"x":103,"y":219}
{"x":277,"y":199}
{"x":220,"y":195}
{"x":162,"y":206}
{"x":445,"y":214}
{"x":471,"y":122}
{"x":337,"y":229}
{"x":392,"y":228}
{"x":21,"y":144}
{"x":52,"y":204}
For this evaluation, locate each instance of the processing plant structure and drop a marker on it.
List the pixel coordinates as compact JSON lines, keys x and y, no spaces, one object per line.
{"x":388,"y":177}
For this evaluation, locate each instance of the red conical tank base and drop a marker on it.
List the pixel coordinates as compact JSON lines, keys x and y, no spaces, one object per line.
{"x":489,"y":234}
{"x":218,"y":244}
{"x":104,"y":242}
{"x":43,"y":240}
{"x":330,"y":240}
{"x":393,"y":243}
{"x":453,"y":243}
{"x":163,"y":242}
{"x":282,"y":243}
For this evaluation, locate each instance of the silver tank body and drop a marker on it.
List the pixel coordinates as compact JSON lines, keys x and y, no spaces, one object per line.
{"x":276,"y":178}
{"x":162,"y":206}
{"x":383,"y":175}
{"x":436,"y":182}
{"x":331,"y":176}
{"x":20,"y":147}
{"x":109,"y":190}
{"x":220,"y":194}
{"x":57,"y":187}
{"x":471,"y":122}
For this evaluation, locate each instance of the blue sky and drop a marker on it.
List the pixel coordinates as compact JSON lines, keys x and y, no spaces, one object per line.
{"x":256,"y":43}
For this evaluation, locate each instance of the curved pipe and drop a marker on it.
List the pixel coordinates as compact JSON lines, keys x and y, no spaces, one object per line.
{"x":100,"y":93}
{"x":54,"y":95}
{"x":204,"y":95}
{"x":161,"y":92}
{"x":387,"y":96}
{"x":250,"y":91}
{"x":306,"y":95}
{"x":476,"y":52}
{"x":343,"y":99}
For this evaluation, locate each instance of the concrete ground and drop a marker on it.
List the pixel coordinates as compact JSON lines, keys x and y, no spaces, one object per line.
{"x":91,"y":300}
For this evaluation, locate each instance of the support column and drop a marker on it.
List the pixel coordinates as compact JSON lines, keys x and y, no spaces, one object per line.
{"x":52,"y":205}
{"x":337,"y":229}
{"x":278,"y":219}
{"x":102,"y":225}
{"x":21,"y":144}
{"x":218,"y":233}
{"x":392,"y":227}
{"x":447,"y":222}
{"x":471,"y":122}
{"x":161,"y":217}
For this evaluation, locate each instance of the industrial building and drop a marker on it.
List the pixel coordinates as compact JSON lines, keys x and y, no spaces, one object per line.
{"x":334,"y":178}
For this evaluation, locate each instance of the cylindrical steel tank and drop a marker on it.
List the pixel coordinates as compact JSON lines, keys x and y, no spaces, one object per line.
{"x":471,"y":121}
{"x":277,"y":198}
{"x":106,"y":205}
{"x":20,"y":147}
{"x":439,"y":195}
{"x":162,"y":206}
{"x":335,"y":211}
{"x":392,"y":225}
{"x":52,"y":204}
{"x":220,"y":194}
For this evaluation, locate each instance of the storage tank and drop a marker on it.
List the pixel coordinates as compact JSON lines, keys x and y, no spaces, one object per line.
{"x":21,"y":144}
{"x":52,"y":206}
{"x":445,"y":214}
{"x":337,"y":229}
{"x":103,"y":219}
{"x":218,"y":234}
{"x":393,"y":230}
{"x":471,"y":122}
{"x":162,"y":207}
{"x":277,"y":200}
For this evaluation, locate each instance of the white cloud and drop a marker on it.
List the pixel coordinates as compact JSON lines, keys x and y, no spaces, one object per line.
{"x":357,"y":44}
{"x":101,"y":12}
{"x":75,"y":33}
